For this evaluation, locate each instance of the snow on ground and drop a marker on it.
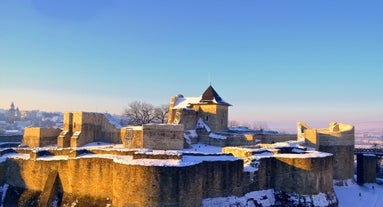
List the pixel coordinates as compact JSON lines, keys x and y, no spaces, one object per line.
{"x":263,"y":197}
{"x":204,"y":148}
{"x":14,"y":156}
{"x":367,"y":195}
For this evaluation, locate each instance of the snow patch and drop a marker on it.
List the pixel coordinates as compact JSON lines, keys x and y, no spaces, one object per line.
{"x":14,"y":156}
{"x":263,"y":198}
{"x":216,"y":136}
{"x":201,"y":124}
{"x":359,"y":195}
{"x":184,"y":102}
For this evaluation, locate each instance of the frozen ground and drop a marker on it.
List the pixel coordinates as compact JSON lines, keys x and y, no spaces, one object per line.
{"x":367,"y":195}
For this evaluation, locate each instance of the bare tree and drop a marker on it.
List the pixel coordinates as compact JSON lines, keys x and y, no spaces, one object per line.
{"x":140,"y":112}
{"x":161,"y":113}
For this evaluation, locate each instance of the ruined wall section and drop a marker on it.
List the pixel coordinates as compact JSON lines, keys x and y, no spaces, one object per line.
{"x":132,"y":137}
{"x":303,"y":175}
{"x":154,"y":136}
{"x":338,"y":139}
{"x":40,"y":137}
{"x":88,"y":179}
{"x":101,"y":181}
{"x":92,"y":127}
{"x":366,"y":168}
{"x":306,"y":174}
{"x":63,"y":139}
{"x":175,"y":186}
{"x":163,"y":136}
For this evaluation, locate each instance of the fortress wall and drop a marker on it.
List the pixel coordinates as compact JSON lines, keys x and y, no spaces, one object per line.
{"x":366,"y":168}
{"x":93,"y":127}
{"x":99,"y":181}
{"x":88,"y":179}
{"x":188,"y":118}
{"x":221,"y":178}
{"x":311,"y":138}
{"x":68,"y":121}
{"x":40,"y":137}
{"x":110,"y":133}
{"x":157,"y":186}
{"x":63,"y":139}
{"x":302,"y":175}
{"x":340,"y":138}
{"x":138,"y":139}
{"x":343,"y":161}
{"x":341,"y":145}
{"x":273,"y":138}
{"x":205,"y":139}
{"x":242,"y":153}
{"x":263,"y":178}
{"x":31,"y":137}
{"x":163,"y":136}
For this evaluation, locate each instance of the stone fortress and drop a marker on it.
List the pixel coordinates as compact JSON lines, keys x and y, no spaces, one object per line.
{"x":162,"y":164}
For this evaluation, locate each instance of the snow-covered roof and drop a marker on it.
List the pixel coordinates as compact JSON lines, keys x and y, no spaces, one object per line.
{"x":184,"y":102}
{"x":208,"y":97}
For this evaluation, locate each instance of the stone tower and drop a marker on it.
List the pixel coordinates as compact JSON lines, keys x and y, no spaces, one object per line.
{"x":338,"y":139}
{"x":209,"y":108}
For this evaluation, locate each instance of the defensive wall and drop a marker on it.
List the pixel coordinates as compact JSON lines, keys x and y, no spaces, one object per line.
{"x":154,"y":136}
{"x":231,"y":139}
{"x":120,"y":177}
{"x":81,"y":128}
{"x":287,"y":171}
{"x":89,"y":180}
{"x":338,"y":139}
{"x":40,"y":137}
{"x":366,"y":168}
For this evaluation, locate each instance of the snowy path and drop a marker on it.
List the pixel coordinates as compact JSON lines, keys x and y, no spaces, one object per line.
{"x":367,"y":195}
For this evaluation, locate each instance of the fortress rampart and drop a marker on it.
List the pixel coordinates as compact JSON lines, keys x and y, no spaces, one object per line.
{"x":286,"y":171}
{"x":98,"y":177}
{"x":40,"y":137}
{"x":98,"y":180}
{"x":81,"y":128}
{"x":338,"y":139}
{"x":154,"y":136}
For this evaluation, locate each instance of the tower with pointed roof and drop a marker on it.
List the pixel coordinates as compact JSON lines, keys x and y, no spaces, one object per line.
{"x":209,"y":109}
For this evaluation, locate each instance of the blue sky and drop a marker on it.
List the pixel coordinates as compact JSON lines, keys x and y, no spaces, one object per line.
{"x":275,"y":61}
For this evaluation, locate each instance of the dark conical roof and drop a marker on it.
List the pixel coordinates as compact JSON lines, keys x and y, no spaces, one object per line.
{"x":211,"y":96}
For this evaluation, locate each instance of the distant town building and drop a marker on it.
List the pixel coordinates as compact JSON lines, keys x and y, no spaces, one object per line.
{"x":13,"y":114}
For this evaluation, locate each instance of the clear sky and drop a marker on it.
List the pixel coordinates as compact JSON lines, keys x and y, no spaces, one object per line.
{"x":276,"y":62}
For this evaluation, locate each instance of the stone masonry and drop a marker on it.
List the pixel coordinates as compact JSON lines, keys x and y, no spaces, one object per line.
{"x":338,"y":139}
